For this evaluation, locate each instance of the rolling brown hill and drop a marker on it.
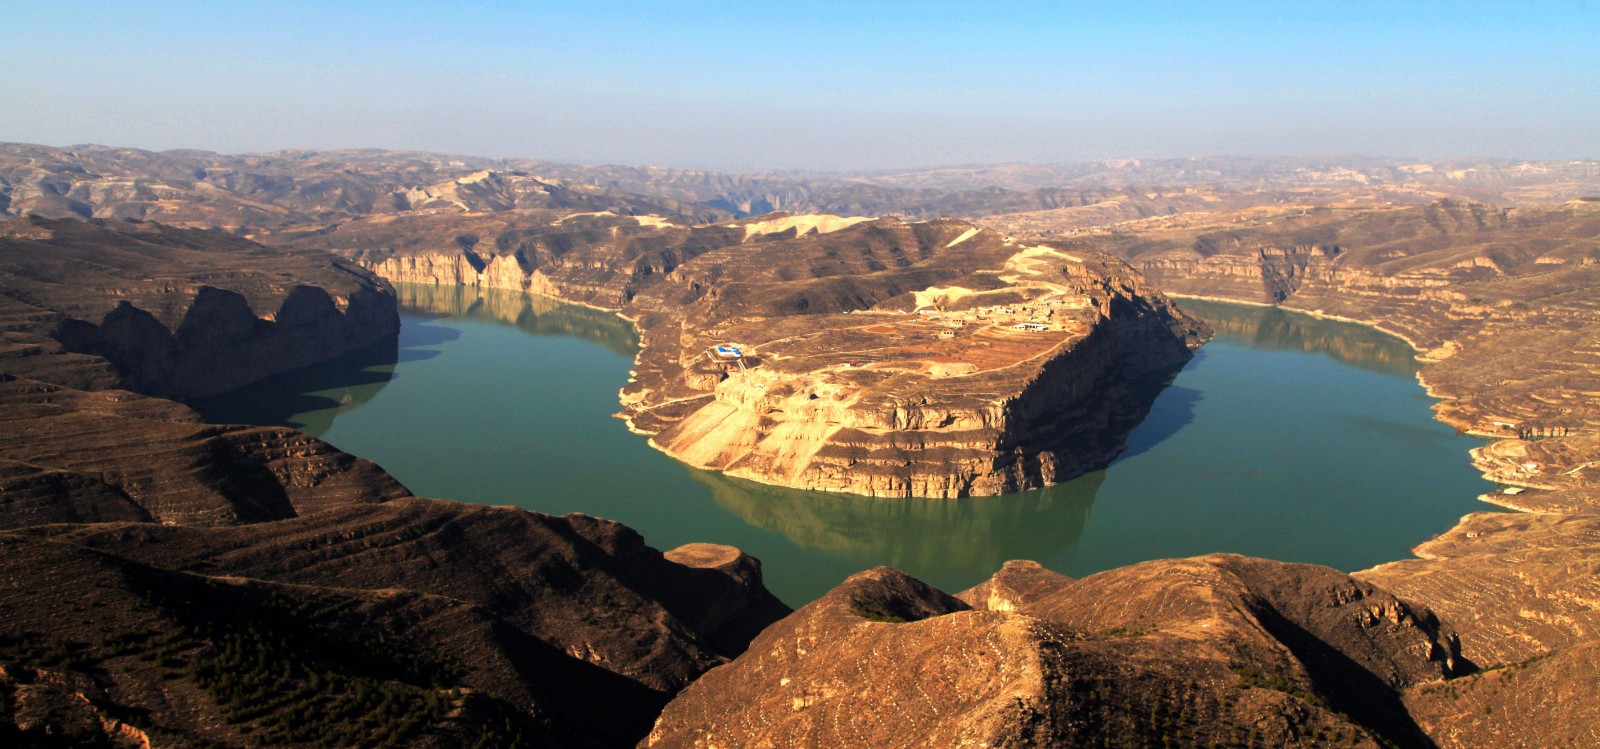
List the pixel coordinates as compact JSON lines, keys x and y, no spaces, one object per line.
{"x":1218,"y":650}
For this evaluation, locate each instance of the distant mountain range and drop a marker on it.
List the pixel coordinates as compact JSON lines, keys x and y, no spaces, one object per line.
{"x":308,"y":189}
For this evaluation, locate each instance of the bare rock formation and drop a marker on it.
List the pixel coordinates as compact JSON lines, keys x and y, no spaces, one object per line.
{"x":1215,"y":650}
{"x":177,"y":313}
{"x":878,"y":357}
{"x":1542,"y":702}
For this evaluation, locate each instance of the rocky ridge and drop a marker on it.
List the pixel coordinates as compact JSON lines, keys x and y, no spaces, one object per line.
{"x":414,"y":622}
{"x":262,"y":194}
{"x":1216,"y":650}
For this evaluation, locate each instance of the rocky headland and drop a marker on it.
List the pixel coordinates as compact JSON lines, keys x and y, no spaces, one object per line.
{"x":879,"y":357}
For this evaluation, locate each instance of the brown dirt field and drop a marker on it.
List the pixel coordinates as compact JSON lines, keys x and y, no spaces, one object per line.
{"x":992,"y":349}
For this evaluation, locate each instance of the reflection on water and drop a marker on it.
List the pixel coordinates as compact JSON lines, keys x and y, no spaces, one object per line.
{"x":310,"y":399}
{"x":1286,"y":437}
{"x":931,"y":538}
{"x":1272,"y":328}
{"x":531,"y":313}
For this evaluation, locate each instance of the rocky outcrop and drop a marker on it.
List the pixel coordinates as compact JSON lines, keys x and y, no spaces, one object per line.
{"x":864,"y":395}
{"x":179,"y":313}
{"x":941,"y":437}
{"x":1517,"y":586}
{"x":890,"y":359}
{"x":1549,"y":701}
{"x":1216,"y":650}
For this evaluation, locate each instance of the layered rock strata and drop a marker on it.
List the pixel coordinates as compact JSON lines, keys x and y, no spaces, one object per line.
{"x":1500,"y":301}
{"x":177,"y":313}
{"x":413,"y":622}
{"x":74,"y":456}
{"x":878,"y":357}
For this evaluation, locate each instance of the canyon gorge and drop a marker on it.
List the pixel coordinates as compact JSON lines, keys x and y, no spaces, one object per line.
{"x":161,"y":575}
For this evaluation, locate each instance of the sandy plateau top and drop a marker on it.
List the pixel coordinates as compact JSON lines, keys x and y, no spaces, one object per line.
{"x":970,"y":336}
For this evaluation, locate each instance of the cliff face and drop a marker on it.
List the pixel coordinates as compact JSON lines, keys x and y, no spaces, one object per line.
{"x":170,"y":582}
{"x":185,"y":314}
{"x":883,"y":358}
{"x":77,"y":447}
{"x":222,"y":345}
{"x":950,"y":430}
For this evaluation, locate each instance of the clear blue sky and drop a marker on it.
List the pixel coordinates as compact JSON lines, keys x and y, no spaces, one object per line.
{"x":826,"y":85}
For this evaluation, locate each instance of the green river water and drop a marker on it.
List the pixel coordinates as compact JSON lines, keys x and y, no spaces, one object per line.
{"x":1286,"y":437}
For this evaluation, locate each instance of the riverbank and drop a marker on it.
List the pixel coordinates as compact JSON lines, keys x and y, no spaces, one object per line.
{"x":1493,"y":498}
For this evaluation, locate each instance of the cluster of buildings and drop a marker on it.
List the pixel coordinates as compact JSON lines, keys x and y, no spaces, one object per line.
{"x":1033,"y":316}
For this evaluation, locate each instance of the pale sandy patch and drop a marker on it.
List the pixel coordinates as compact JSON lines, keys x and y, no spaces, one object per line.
{"x":821,"y":223}
{"x":935,"y":296}
{"x":966,"y":235}
{"x":569,"y":217}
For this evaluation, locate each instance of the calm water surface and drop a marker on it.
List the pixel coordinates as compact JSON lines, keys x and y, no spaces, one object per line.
{"x":1286,"y":437}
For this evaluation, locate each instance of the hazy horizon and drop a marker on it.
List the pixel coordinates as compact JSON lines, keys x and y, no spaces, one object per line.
{"x":830,"y":87}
